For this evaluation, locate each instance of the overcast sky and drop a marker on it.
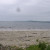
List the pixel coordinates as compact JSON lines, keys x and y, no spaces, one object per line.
{"x":36,"y":10}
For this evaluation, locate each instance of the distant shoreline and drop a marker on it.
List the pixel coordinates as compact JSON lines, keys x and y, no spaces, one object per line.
{"x":26,"y":21}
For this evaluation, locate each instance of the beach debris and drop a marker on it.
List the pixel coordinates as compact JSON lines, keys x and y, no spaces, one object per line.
{"x":46,"y":37}
{"x":34,"y":33}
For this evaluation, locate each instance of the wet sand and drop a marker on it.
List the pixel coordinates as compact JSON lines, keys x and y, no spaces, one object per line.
{"x":24,"y":37}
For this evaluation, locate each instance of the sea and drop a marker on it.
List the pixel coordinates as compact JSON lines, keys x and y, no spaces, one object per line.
{"x":21,"y":25}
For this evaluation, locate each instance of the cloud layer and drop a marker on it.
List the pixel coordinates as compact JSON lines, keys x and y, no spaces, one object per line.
{"x":30,"y":10}
{"x":3,"y":2}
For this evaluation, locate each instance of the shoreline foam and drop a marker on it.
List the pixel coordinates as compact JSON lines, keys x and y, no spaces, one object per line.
{"x":24,"y":29}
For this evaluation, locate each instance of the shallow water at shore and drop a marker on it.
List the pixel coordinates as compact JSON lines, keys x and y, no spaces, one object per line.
{"x":20,"y":25}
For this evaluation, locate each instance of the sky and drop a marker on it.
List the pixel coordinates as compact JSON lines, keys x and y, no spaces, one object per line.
{"x":35,"y":10}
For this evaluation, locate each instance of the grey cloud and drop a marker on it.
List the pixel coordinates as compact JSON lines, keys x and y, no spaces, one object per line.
{"x":39,"y":11}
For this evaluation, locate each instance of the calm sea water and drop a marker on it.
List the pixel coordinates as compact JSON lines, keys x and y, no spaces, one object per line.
{"x":24,"y":25}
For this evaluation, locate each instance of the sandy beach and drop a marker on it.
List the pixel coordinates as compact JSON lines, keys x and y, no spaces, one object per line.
{"x":24,"y":37}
